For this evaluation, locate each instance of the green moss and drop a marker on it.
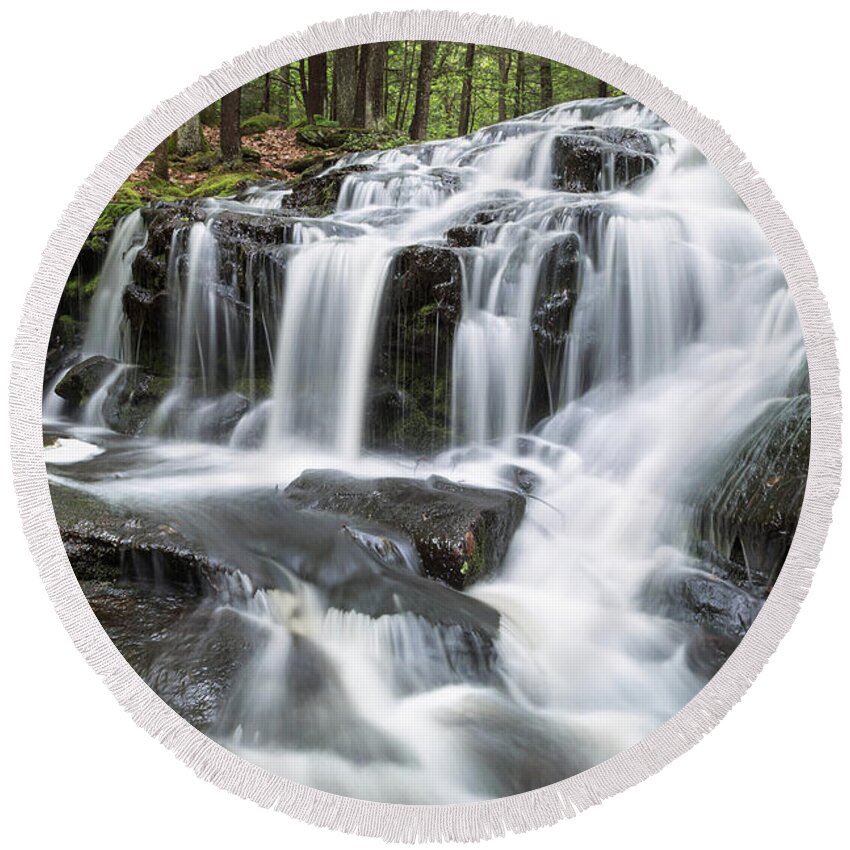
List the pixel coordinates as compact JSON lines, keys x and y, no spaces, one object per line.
{"x":82,"y":287}
{"x":259,"y":123}
{"x":66,"y":327}
{"x":259,"y":388}
{"x":126,"y":200}
{"x":218,"y":185}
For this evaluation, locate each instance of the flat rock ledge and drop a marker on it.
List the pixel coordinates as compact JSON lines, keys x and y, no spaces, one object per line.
{"x":460,"y":533}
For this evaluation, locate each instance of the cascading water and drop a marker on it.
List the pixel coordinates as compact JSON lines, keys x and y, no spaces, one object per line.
{"x":681,"y":333}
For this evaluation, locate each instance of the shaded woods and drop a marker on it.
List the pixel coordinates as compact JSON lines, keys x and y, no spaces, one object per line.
{"x":418,"y":89}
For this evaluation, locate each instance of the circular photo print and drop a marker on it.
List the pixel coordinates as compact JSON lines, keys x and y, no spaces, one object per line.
{"x":426,"y":422}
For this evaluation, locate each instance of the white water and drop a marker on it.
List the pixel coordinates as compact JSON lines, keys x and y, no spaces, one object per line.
{"x":683,"y":332}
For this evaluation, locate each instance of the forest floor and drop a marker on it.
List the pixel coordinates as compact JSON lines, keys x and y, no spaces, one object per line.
{"x":277,"y":147}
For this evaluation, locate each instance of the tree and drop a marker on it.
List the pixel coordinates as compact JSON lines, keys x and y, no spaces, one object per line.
{"x":285,"y":91}
{"x":466,"y":91}
{"x":519,"y":89}
{"x":267,"y":93}
{"x":547,"y":97}
{"x":602,"y":89}
{"x":345,"y":89}
{"x":504,"y":70}
{"x":419,"y":124}
{"x":160,"y":160}
{"x":376,"y":104}
{"x":317,"y":86}
{"x":231,"y":134}
{"x":189,"y":137}
{"x":370,"y":104}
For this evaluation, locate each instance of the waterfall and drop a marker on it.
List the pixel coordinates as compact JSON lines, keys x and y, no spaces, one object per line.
{"x":107,"y":329}
{"x":333,"y":293}
{"x":589,"y":317}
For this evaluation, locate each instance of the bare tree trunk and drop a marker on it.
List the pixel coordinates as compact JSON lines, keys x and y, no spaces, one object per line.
{"x":504,"y":69}
{"x":285,"y":93}
{"x":160,"y":160}
{"x":360,"y":99}
{"x":520,"y":83}
{"x":547,"y":97}
{"x":419,"y":124}
{"x":189,"y":137}
{"x":375,"y":102}
{"x":466,"y":92}
{"x":317,"y":87}
{"x":602,"y":89}
{"x":302,"y":83}
{"x":231,"y":135}
{"x":345,"y":90}
{"x":267,"y":93}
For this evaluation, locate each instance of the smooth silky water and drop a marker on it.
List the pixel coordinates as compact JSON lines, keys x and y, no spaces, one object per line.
{"x":683,"y":334}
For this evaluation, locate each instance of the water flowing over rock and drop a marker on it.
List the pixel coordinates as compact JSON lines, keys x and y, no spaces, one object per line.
{"x":460,"y":533}
{"x":501,"y":438}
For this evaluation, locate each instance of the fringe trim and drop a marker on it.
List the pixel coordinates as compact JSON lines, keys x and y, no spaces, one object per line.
{"x":392,"y":822}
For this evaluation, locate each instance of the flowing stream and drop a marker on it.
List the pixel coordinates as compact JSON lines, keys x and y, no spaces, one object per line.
{"x":682,"y":334}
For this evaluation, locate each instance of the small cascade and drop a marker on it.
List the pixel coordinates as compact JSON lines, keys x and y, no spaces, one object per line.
{"x":107,"y":333}
{"x":333,"y":296}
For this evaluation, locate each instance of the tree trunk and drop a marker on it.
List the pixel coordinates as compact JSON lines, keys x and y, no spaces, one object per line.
{"x":345,"y":92}
{"x":160,"y":160}
{"x":375,"y":95}
{"x":317,"y":87}
{"x":360,"y":99}
{"x":231,"y":135}
{"x":602,"y":89}
{"x":284,"y":96}
{"x":463,"y":126}
{"x":546,"y":95}
{"x":504,"y":70}
{"x":267,"y":93}
{"x":419,"y":124}
{"x":189,"y":137}
{"x":520,"y":83}
{"x":302,"y":82}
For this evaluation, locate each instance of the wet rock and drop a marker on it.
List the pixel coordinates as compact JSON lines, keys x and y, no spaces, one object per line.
{"x":517,"y":477}
{"x":82,"y":380}
{"x":108,"y":543}
{"x":600,"y":159}
{"x":694,"y":596}
{"x":749,"y":511}
{"x":218,"y":418}
{"x":460,"y":533}
{"x":132,"y":402}
{"x":707,"y":652}
{"x":465,"y":236}
{"x":557,"y":294}
{"x":410,"y":408}
{"x":316,"y":195}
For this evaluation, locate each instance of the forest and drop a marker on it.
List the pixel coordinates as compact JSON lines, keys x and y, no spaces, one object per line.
{"x":378,"y":95}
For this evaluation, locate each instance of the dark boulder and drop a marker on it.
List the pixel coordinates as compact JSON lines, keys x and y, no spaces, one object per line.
{"x":460,"y":533}
{"x":557,"y":294}
{"x":702,"y":599}
{"x":132,"y":402}
{"x":108,"y":543}
{"x":599,"y":159}
{"x":82,"y":380}
{"x":465,"y":236}
{"x":315,"y":195}
{"x":411,"y":406}
{"x":749,"y":510}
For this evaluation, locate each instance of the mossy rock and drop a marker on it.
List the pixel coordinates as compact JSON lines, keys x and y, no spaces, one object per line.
{"x":260,"y":123}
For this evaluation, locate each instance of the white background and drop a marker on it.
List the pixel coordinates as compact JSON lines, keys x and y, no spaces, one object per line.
{"x":76,"y":77}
